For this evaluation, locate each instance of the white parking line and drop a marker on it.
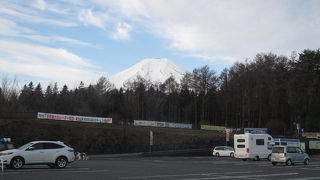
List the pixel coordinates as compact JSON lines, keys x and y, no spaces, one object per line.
{"x":243,"y":176}
{"x":307,"y":178}
{"x":162,"y":176}
{"x":182,"y":175}
{"x":79,"y":170}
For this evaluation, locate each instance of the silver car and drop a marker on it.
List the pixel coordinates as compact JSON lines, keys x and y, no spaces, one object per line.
{"x":289,"y":155}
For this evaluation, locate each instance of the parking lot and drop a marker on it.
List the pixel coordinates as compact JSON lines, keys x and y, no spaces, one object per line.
{"x":184,"y":168}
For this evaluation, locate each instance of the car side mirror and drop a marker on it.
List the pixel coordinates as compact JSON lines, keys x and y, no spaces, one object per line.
{"x":30,"y":149}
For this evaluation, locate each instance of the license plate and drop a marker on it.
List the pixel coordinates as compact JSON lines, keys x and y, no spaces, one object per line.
{"x":277,"y":159}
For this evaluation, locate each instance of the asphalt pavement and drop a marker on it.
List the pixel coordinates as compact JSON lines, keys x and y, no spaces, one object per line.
{"x":156,"y":168}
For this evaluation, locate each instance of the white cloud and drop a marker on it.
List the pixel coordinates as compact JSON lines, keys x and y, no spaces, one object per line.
{"x":40,"y":4}
{"x":87,"y":17}
{"x":45,"y":6}
{"x":52,"y":39}
{"x":122,"y":31}
{"x":35,"y":18}
{"x":239,"y":29}
{"x":51,"y":64}
{"x":10,"y":28}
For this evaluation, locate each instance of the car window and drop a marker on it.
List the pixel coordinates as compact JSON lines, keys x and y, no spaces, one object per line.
{"x":298,"y":150}
{"x":241,"y":140}
{"x":291,"y":150}
{"x":25,"y":146}
{"x":52,"y":146}
{"x":283,"y":143}
{"x":278,"y":150}
{"x":230,"y":148}
{"x":241,"y":146}
{"x":259,"y":142}
{"x":38,"y":146}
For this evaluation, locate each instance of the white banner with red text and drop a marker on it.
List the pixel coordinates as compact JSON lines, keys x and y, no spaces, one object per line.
{"x":64,"y":117}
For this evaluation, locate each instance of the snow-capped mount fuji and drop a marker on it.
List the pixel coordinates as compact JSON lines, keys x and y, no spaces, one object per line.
{"x":153,"y":69}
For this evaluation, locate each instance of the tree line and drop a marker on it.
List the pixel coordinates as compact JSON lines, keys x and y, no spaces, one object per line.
{"x":272,"y":91}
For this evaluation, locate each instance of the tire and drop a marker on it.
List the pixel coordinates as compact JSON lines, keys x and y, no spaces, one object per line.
{"x":231,"y":154}
{"x":17,"y":163}
{"x":306,"y":161}
{"x":244,"y":159}
{"x":274,"y":163}
{"x":257,"y":158}
{"x":51,"y":166}
{"x":61,"y":162}
{"x":217,"y":154}
{"x":269,"y":157}
{"x":289,"y":162}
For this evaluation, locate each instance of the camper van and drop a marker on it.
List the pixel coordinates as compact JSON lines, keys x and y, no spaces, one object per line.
{"x":252,"y":146}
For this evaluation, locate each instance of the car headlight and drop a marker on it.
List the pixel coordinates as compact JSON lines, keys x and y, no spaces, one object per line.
{"x":5,"y":154}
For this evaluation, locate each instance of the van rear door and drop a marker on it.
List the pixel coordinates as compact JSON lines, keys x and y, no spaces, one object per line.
{"x":240,"y":145}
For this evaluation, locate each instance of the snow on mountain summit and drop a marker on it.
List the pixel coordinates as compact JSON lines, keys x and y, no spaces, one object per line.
{"x":155,"y":70}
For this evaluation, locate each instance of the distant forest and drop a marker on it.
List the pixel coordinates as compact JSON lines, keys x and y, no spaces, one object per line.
{"x":270,"y":91}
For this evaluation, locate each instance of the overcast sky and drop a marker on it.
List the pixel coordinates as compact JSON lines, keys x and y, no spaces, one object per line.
{"x":68,"y":41}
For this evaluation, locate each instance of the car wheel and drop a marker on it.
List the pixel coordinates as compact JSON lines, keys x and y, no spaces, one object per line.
{"x":61,"y":162}
{"x":231,"y":154}
{"x":244,"y":159}
{"x":289,"y":162}
{"x":274,"y":163}
{"x":217,"y":154}
{"x":17,"y":163}
{"x":257,"y":158}
{"x":269,"y":157}
{"x":51,"y":166}
{"x":306,"y":161}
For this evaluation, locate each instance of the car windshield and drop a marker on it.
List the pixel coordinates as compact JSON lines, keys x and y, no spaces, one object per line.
{"x":278,"y":150}
{"x":25,"y":146}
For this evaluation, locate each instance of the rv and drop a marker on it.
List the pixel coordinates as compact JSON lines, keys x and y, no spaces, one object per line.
{"x":252,"y":146}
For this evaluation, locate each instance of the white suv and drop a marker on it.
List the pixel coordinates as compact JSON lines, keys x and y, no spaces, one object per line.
{"x":223,"y":151}
{"x":51,"y":153}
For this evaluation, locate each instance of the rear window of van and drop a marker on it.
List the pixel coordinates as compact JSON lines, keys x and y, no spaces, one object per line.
{"x":278,"y":150}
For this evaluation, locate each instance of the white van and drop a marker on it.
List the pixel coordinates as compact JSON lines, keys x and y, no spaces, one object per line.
{"x":252,"y":146}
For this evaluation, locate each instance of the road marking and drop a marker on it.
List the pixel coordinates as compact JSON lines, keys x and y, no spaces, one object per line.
{"x":244,"y":176}
{"x":182,"y":175}
{"x":162,"y":176}
{"x":84,"y":170}
{"x":307,"y":178}
{"x":45,"y":169}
